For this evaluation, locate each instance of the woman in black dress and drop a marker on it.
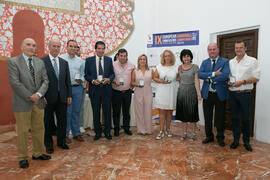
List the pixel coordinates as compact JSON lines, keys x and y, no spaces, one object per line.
{"x":188,"y":94}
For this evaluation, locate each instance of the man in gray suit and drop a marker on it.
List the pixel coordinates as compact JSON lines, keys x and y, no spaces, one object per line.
{"x":28,"y":79}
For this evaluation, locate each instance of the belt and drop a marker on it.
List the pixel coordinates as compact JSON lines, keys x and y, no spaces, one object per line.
{"x":75,"y":85}
{"x":212,"y":92}
{"x":124,"y":91}
{"x":242,"y":91}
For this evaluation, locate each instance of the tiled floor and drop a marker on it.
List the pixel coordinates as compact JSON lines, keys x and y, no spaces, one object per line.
{"x":139,"y":157}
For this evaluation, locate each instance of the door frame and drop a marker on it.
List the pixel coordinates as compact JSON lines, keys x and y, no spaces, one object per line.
{"x":214,"y":39}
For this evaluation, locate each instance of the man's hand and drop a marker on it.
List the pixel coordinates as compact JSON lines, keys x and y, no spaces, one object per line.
{"x":218,"y":72}
{"x":116,"y":83}
{"x":96,"y":82}
{"x":237,"y":84}
{"x":106,"y":81}
{"x":35,"y":98}
{"x":78,"y":81}
{"x":69,"y":100}
{"x":45,"y":101}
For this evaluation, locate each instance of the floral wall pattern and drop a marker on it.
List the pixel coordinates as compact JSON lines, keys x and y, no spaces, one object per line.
{"x":107,"y":20}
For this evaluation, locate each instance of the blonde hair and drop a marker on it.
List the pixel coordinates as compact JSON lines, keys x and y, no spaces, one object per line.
{"x":146,"y":65}
{"x":162,"y":59}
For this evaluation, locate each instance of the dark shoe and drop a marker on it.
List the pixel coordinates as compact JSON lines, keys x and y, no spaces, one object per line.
{"x":116,"y":133}
{"x":68,"y":141}
{"x":108,"y":136}
{"x":248,"y":147}
{"x":78,"y":138}
{"x":221,"y":142}
{"x":49,"y":150}
{"x":63,"y":146}
{"x":42,"y":157}
{"x":97,"y":137}
{"x":208,"y":140}
{"x":234,"y":145}
{"x":128,"y":132}
{"x":24,"y":164}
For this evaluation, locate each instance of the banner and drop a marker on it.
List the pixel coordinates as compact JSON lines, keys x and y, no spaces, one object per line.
{"x":187,"y":38}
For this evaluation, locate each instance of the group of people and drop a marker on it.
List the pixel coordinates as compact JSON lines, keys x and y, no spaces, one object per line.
{"x":58,"y":83}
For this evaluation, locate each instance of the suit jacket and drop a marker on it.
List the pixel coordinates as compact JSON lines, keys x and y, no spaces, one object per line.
{"x":91,"y":74}
{"x":64,"y":81}
{"x":23,"y":85}
{"x":205,"y":72}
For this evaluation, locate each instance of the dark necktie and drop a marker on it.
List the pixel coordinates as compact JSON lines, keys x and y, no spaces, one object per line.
{"x":31,"y":68}
{"x":213,"y":67}
{"x":55,"y":68}
{"x":100,"y":69}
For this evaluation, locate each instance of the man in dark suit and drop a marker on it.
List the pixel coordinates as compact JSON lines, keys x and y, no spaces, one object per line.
{"x":214,"y":71}
{"x":29,"y":82}
{"x":99,"y":73}
{"x":57,"y":96}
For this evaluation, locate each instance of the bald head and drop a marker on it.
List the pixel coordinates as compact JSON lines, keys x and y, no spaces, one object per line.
{"x":28,"y":47}
{"x":54,"y":47}
{"x":213,"y":50}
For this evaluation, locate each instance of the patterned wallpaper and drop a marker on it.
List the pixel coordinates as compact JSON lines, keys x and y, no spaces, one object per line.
{"x":70,"y":5}
{"x":107,"y":20}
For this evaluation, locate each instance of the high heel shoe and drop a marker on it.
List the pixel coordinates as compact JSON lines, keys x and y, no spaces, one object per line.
{"x":184,"y":136}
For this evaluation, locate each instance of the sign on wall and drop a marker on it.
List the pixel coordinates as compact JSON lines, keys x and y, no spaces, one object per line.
{"x":187,"y":38}
{"x":176,"y":42}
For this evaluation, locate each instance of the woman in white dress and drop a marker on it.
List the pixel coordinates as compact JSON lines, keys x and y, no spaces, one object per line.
{"x":166,"y":91}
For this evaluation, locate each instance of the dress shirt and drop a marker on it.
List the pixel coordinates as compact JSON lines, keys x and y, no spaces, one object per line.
{"x":123,"y":72}
{"x":52,"y":61}
{"x":243,"y":70}
{"x":27,"y":63}
{"x":97,"y":63}
{"x":76,"y":66}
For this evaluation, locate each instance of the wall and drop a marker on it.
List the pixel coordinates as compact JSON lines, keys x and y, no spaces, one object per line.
{"x":210,"y":17}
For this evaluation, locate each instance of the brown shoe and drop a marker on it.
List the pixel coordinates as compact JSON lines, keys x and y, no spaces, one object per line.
{"x":78,"y":138}
{"x":68,"y":141}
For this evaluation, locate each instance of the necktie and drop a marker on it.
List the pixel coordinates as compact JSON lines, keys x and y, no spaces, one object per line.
{"x":213,"y":67}
{"x":100,"y":69}
{"x":55,"y":68}
{"x":31,"y":68}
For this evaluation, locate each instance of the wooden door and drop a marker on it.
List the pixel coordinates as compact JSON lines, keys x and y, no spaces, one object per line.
{"x":226,"y":45}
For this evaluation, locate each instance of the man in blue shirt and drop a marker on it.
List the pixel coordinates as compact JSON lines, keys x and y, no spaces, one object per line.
{"x":76,"y":68}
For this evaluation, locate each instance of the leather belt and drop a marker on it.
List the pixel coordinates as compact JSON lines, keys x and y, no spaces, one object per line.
{"x":242,"y":91}
{"x":124,"y":91}
{"x":212,"y":92}
{"x":75,"y":85}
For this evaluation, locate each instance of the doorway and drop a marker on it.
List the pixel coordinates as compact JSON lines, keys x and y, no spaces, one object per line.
{"x":226,"y":46}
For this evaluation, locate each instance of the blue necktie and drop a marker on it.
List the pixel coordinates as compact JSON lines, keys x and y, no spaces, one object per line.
{"x":55,"y":68}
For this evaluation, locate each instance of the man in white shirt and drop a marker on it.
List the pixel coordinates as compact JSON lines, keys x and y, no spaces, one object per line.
{"x":244,"y":73}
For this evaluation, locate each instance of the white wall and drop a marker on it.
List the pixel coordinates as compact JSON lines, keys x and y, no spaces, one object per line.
{"x":209,"y":17}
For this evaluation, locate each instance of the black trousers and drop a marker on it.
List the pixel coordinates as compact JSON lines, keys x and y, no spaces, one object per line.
{"x":60,"y":109}
{"x":99,"y":97}
{"x":121,"y":100}
{"x":208,"y":107}
{"x":240,"y":104}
